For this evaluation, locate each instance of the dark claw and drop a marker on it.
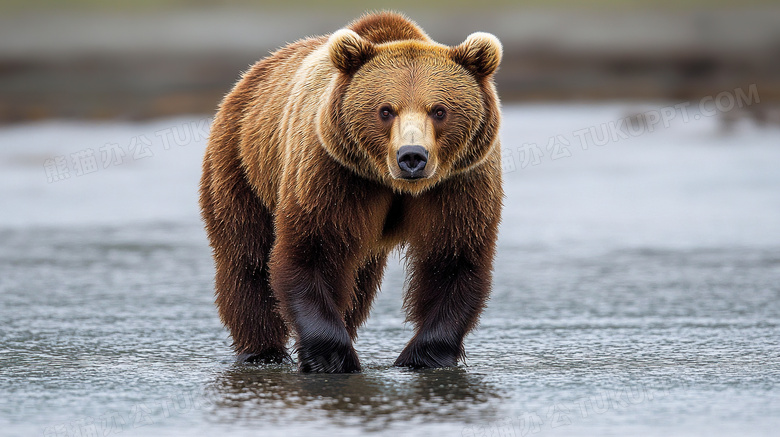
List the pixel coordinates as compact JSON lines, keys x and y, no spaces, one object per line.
{"x":429,"y":354}
{"x":327,"y":356}
{"x":270,"y":356}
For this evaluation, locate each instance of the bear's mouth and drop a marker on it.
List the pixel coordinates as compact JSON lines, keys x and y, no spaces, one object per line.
{"x":401,"y":174}
{"x":411,"y":176}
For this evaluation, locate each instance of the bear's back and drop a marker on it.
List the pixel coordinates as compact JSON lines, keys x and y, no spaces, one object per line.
{"x":386,"y":27}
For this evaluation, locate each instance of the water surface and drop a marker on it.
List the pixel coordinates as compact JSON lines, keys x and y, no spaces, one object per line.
{"x":636,"y":291}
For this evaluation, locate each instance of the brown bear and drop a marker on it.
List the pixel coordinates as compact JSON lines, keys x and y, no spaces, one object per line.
{"x":328,"y":154}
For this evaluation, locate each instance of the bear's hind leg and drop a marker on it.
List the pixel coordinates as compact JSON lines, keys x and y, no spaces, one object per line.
{"x":240,"y":229}
{"x":247,"y":307}
{"x":367,"y":282}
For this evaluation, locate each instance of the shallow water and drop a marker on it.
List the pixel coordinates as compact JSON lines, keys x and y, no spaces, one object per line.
{"x":636,"y":291}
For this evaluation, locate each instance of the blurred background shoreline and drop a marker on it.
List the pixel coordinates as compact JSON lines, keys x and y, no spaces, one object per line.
{"x":122,"y":60}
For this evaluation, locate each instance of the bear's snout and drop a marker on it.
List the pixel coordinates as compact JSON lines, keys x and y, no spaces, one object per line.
{"x":412,"y":161}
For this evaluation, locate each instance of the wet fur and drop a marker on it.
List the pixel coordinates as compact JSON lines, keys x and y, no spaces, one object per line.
{"x":301,"y":232}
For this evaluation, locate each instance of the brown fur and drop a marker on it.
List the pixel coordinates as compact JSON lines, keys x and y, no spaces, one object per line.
{"x":303,"y":197}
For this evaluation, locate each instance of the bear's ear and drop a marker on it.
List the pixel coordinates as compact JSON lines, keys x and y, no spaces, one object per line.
{"x":348,"y":51}
{"x":480,"y":54}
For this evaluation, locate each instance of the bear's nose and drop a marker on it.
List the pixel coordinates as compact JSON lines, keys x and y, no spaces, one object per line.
{"x":412,"y":160}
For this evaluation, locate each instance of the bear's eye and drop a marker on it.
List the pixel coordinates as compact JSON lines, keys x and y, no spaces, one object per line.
{"x":385,"y":113}
{"x":439,"y":113}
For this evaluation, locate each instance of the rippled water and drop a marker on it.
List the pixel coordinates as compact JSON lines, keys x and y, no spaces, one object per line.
{"x":637,"y":291}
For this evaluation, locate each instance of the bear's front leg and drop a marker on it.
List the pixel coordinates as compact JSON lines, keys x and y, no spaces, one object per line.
{"x":313,"y":268}
{"x":447,"y":293}
{"x":451,"y":252}
{"x":309,"y":277}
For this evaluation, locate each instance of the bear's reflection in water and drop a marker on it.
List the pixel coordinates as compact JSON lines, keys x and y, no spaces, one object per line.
{"x":375,"y":398}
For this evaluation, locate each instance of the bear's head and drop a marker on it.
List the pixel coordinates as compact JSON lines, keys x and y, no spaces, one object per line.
{"x":412,"y":112}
